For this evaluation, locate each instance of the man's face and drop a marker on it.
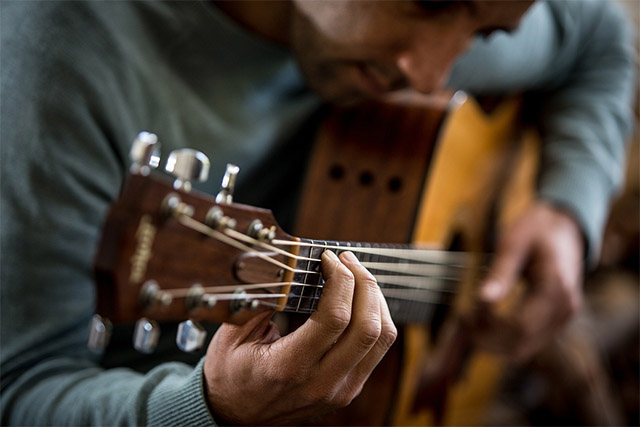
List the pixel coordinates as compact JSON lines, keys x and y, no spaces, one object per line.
{"x":351,"y":50}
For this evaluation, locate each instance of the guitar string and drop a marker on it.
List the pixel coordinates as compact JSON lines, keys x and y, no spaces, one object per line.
{"x":195,"y":225}
{"x":462,"y":257}
{"x":213,"y":290}
{"x":388,"y":293}
{"x":203,"y":228}
{"x":431,"y":256}
{"x":416,"y":281}
{"x":183,"y":292}
{"x":416,"y":269}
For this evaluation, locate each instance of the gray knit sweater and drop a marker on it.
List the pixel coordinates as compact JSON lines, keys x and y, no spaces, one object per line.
{"x":80,"y":79}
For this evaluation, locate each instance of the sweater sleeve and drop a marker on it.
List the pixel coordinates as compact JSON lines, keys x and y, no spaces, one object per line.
{"x":62,"y":165}
{"x":586,"y":122}
{"x":577,"y":58}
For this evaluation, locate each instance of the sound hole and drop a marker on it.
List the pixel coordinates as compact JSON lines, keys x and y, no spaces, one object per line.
{"x":336,"y":172}
{"x":395,"y":184}
{"x":366,"y":178}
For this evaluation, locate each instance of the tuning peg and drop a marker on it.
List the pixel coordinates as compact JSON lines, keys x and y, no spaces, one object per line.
{"x":197,"y":298}
{"x":146,"y":335}
{"x":190,"y":336}
{"x":187,"y":165}
{"x":225,"y":195}
{"x":258,"y":231}
{"x":145,"y":153}
{"x":215,"y":218}
{"x":151,"y":295}
{"x":99,"y":334}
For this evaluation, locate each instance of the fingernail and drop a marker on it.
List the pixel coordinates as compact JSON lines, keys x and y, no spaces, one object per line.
{"x":491,"y":291}
{"x":349,"y":256}
{"x":330,"y":254}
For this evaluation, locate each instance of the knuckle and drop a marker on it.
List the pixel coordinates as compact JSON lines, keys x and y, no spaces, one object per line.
{"x":326,"y":397}
{"x":369,"y":332}
{"x":337,"y":395}
{"x":337,"y":319}
{"x":388,"y":336}
{"x":342,"y":399}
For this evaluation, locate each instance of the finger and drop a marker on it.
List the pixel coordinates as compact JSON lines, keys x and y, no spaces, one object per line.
{"x":366,"y":323}
{"x":318,"y":334}
{"x":388,"y":335}
{"x":506,"y":267}
{"x":549,"y":306}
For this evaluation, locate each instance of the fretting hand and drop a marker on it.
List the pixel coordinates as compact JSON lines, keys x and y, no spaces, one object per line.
{"x":255,"y":376}
{"x":546,"y":247}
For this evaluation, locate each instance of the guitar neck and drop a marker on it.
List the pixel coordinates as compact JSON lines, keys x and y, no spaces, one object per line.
{"x":415,"y":282}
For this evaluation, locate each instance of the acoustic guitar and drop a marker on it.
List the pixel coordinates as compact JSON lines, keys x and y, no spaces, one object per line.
{"x":442,"y":173}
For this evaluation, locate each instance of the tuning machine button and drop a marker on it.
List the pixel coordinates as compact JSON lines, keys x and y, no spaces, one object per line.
{"x":144,"y":153}
{"x":243,"y":301}
{"x":173,"y":206}
{"x":197,"y":298}
{"x":146,"y":335}
{"x":258,"y":231}
{"x":151,"y":295}
{"x":225,"y":195}
{"x":216,"y":219}
{"x":190,"y":336}
{"x":99,"y":334}
{"x":187,"y":165}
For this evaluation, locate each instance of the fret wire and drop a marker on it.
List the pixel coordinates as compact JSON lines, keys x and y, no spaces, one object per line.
{"x":304,"y":280}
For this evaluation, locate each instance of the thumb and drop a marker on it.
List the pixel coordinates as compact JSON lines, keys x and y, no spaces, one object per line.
{"x":504,"y":271}
{"x":258,"y":329}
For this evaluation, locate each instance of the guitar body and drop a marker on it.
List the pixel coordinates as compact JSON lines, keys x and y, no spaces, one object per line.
{"x":438,"y":172}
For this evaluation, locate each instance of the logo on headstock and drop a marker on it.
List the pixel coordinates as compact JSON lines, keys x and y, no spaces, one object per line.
{"x":144,"y":240}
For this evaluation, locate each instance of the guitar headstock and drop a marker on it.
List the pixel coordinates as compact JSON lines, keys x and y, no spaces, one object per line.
{"x":169,"y":253}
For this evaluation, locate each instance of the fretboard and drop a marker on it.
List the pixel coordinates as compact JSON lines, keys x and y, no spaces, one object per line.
{"x":415,"y":282}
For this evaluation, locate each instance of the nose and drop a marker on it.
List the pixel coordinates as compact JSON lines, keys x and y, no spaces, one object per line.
{"x":426,"y":65}
{"x":424,"y":74}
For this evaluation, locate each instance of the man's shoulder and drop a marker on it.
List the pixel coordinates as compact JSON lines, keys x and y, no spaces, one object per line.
{"x":43,"y":42}
{"x":47,"y":37}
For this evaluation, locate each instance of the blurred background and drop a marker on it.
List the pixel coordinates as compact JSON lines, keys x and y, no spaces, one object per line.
{"x":591,"y":374}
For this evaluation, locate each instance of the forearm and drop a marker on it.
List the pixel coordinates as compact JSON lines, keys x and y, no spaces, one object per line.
{"x":76,"y":392}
